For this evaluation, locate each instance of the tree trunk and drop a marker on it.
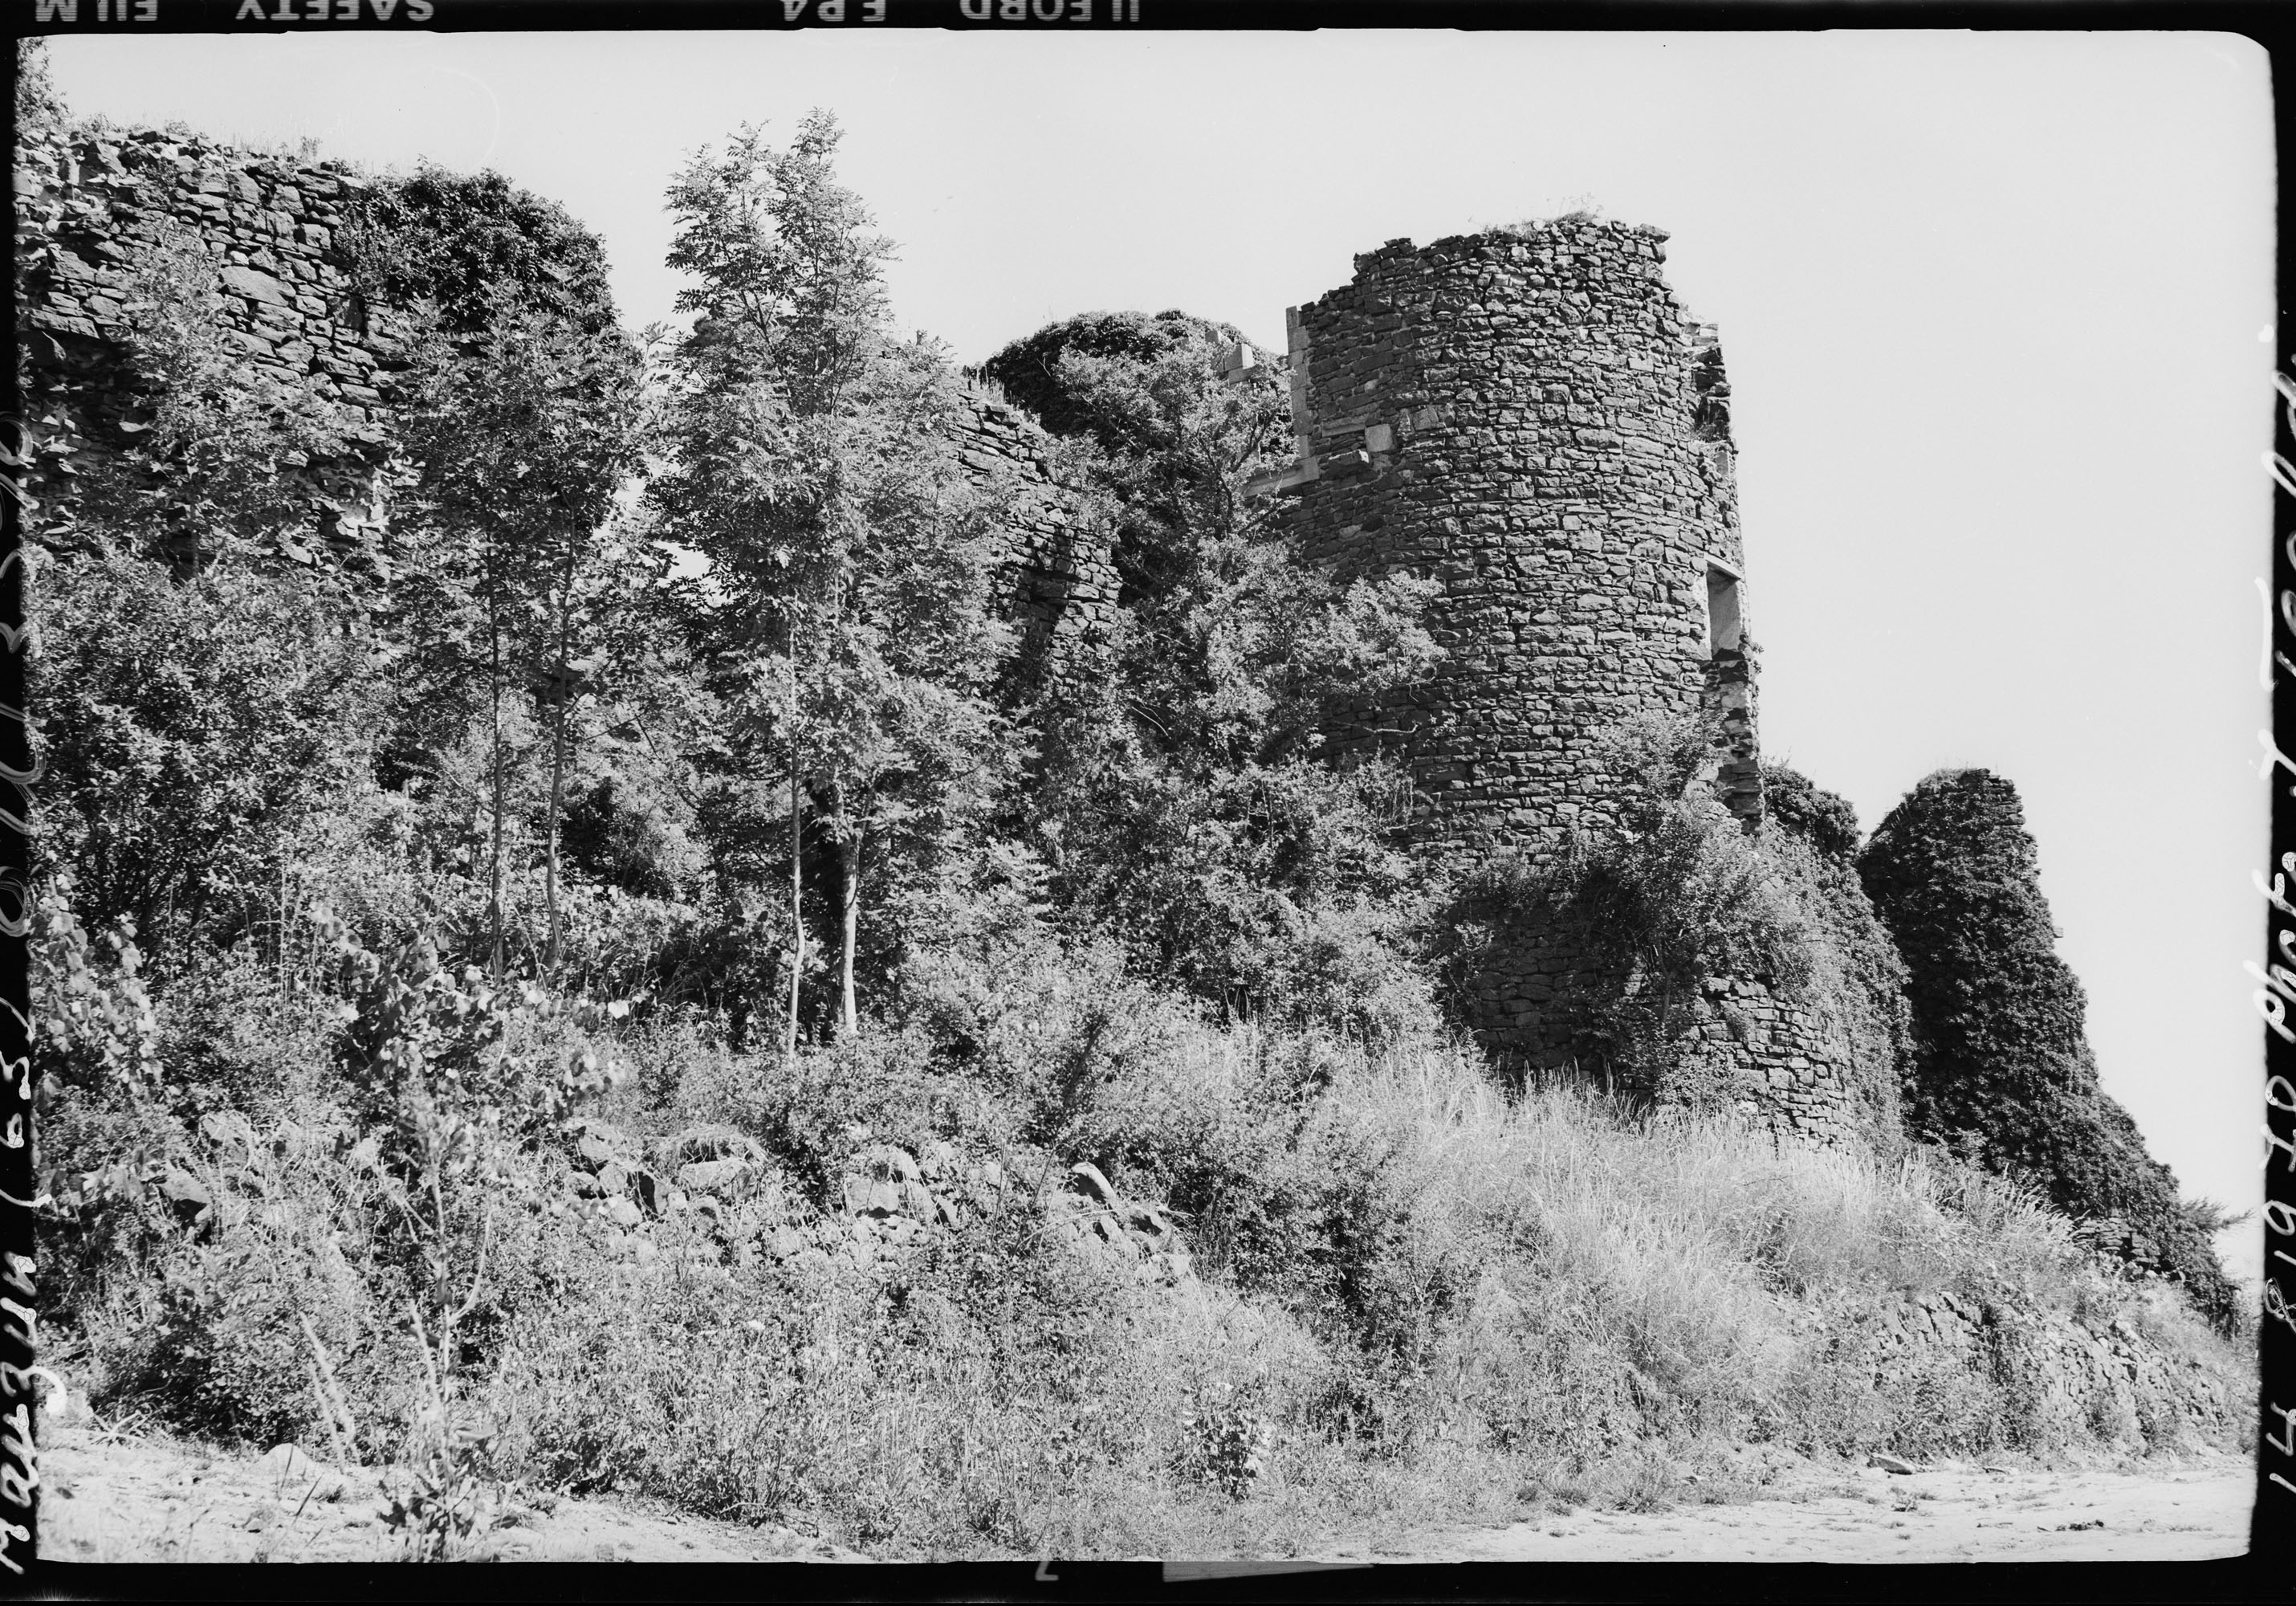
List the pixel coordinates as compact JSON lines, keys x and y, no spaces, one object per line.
{"x":494,"y":835}
{"x":558,"y":762}
{"x":849,"y":898}
{"x":796,"y":878}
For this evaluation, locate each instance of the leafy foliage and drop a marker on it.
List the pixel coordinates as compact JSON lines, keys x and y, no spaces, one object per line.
{"x":1170,"y":440}
{"x":1182,"y":803}
{"x":457,"y":240}
{"x":842,"y":621}
{"x":192,"y":730}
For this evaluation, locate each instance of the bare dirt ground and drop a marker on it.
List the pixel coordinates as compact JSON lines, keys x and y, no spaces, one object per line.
{"x":109,"y":1498}
{"x":157,"y":1499}
{"x":2189,"y":1509}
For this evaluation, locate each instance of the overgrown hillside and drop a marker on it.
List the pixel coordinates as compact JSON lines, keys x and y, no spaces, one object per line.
{"x":592,"y":983}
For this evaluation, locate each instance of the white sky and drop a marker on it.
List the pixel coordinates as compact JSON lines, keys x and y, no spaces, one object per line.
{"x":1996,"y":309}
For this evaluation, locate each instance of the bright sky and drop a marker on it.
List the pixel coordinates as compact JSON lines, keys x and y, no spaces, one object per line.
{"x":1996,"y":309}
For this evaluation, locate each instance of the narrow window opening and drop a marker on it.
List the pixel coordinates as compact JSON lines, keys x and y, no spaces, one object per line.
{"x":1723,"y":626}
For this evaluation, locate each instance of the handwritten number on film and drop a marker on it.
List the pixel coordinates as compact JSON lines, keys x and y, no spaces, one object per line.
{"x":2278,"y":988}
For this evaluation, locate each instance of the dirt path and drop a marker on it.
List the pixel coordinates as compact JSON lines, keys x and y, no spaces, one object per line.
{"x":157,"y":1499}
{"x":2166,"y":1510}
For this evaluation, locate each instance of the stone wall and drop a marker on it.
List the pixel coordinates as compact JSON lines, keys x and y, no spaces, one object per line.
{"x":2063,"y":1378}
{"x":1517,"y":416}
{"x":90,"y":207}
{"x":1532,"y":420}
{"x":1057,"y":574}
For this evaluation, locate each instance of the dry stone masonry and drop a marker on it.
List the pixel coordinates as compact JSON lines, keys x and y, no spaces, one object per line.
{"x":2068,"y":1377}
{"x":1528,"y":419}
{"x":1517,"y":416}
{"x":1057,"y":574}
{"x":90,"y":209}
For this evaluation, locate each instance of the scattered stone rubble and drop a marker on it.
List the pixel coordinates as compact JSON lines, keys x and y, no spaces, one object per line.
{"x":887,"y":1198}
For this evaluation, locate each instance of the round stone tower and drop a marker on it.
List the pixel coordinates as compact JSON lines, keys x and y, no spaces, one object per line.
{"x":1529,"y":419}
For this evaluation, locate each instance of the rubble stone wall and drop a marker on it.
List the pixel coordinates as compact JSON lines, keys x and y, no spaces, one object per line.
{"x":2068,"y":1380}
{"x":90,"y":207}
{"x":1530,"y":419}
{"x":1517,"y":416}
{"x":1057,"y":574}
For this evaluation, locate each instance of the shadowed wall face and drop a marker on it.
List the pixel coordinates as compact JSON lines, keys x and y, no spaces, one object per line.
{"x":1532,"y":420}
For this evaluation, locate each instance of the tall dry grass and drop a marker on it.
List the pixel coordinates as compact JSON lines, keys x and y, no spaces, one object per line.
{"x":1420,"y":1299}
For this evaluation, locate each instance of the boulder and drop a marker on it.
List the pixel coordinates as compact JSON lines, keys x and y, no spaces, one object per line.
{"x":1098,"y":1188}
{"x":187,"y":1196}
{"x":614,"y":1139}
{"x":708,"y":1141}
{"x":865,"y":1196}
{"x":711,"y":1176}
{"x":937,"y":1159}
{"x":227,"y":1129}
{"x":888,"y":1161}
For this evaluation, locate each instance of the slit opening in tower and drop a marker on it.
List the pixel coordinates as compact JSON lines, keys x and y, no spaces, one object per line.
{"x":1725,"y":626}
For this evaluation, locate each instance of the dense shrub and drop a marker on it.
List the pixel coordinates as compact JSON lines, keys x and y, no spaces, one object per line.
{"x":193,"y":731}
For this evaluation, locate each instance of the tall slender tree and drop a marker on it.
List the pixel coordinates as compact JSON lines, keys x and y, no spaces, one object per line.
{"x":844,"y":609}
{"x":522,"y":418}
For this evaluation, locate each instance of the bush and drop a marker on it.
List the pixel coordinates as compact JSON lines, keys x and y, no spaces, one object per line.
{"x":193,"y":727}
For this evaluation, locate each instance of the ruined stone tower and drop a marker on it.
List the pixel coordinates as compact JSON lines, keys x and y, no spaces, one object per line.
{"x":1531,"y":420}
{"x":1528,"y":419}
